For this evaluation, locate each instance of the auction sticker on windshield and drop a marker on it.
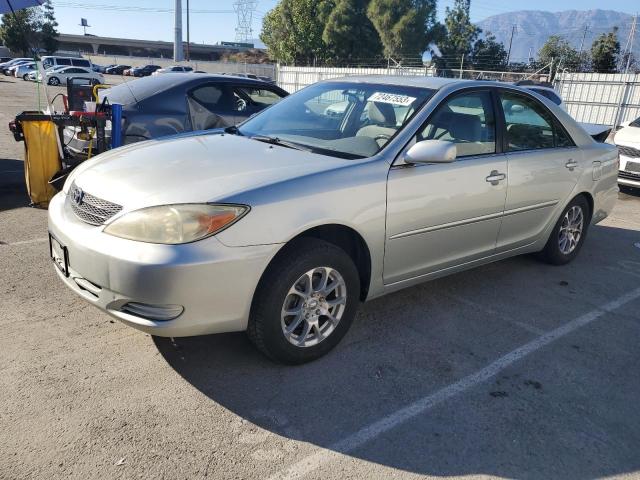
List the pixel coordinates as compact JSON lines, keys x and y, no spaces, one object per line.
{"x":392,"y":98}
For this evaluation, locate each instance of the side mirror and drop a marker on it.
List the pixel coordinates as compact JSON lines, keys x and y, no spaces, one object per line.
{"x":431,"y":151}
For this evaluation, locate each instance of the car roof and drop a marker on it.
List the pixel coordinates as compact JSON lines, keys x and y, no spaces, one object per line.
{"x":137,"y":90}
{"x":402,"y":80}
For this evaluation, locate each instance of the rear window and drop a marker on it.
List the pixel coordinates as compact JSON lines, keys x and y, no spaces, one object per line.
{"x":136,"y":91}
{"x":549,"y":94}
{"x":81,"y":63}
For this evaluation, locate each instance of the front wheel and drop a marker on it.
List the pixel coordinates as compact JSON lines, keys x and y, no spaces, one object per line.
{"x":569,"y":233}
{"x":54,"y":81}
{"x":305,"y":303}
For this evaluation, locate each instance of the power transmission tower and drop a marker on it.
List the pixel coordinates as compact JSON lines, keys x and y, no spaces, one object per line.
{"x":244,"y":9}
{"x":513,"y":31}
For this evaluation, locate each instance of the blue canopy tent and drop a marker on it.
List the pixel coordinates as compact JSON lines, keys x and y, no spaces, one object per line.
{"x":10,"y":6}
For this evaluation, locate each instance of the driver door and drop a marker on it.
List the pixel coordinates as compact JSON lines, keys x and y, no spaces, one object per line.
{"x":446,"y":214}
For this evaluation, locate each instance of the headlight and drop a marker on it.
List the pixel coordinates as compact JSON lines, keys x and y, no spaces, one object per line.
{"x":174,"y":224}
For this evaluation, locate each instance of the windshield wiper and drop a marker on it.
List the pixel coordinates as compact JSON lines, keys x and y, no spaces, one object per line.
{"x":282,"y":143}
{"x":233,"y":130}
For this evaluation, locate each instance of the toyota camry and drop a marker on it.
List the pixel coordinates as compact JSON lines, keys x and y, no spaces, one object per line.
{"x":282,"y":226}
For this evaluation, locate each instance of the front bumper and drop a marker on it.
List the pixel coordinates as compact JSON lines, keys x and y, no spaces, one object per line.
{"x":629,"y":173}
{"x":212,"y":282}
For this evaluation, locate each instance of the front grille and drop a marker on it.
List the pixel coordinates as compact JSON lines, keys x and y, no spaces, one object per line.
{"x":90,"y":209}
{"x":629,"y":175}
{"x":629,"y":151}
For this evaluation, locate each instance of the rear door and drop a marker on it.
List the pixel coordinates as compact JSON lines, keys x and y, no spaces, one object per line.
{"x":543,"y":168}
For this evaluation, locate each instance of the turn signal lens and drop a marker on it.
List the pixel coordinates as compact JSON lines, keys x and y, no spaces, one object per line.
{"x":175,"y":224}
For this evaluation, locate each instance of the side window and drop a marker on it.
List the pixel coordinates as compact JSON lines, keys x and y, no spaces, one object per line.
{"x":260,"y":97}
{"x":529,"y":125}
{"x":47,"y":63}
{"x":63,"y":61}
{"x":81,"y":63}
{"x":467,"y":120}
{"x":211,"y":97}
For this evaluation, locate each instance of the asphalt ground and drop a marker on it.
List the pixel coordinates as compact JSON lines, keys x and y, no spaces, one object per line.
{"x":512,"y":370}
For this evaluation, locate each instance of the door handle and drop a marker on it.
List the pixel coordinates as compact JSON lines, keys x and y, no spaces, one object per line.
{"x":571,"y":164}
{"x":495,"y":177}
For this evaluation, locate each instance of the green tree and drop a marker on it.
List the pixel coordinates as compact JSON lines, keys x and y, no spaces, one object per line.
{"x":19,"y":31}
{"x":489,"y":54}
{"x":349,"y":34}
{"x":562,"y":54}
{"x":405,"y":27}
{"x":48,"y":32}
{"x":605,"y":51}
{"x":292,"y":31}
{"x":460,"y":34}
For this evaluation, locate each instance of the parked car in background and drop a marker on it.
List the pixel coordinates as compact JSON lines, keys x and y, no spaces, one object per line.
{"x":23,"y":70}
{"x":35,"y":75}
{"x":51,"y":61}
{"x":162,"y":105}
{"x":5,"y":59}
{"x":627,"y":139}
{"x":127,"y":71}
{"x":4,"y":67}
{"x":100,"y":68}
{"x":60,"y":76}
{"x":283,"y":225}
{"x":144,"y":71}
{"x":11,"y":71}
{"x":117,"y":70}
{"x":173,"y":69}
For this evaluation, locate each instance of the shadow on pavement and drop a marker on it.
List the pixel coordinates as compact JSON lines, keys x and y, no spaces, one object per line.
{"x":13,"y":191}
{"x":412,"y":343}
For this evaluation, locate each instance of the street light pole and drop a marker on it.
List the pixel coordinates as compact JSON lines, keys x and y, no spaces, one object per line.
{"x":177,"y":41}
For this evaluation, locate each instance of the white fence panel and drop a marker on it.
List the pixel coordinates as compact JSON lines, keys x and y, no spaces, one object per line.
{"x":293,"y":79}
{"x":605,"y":98}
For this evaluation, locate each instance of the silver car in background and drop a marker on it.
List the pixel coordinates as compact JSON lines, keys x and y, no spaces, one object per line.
{"x":282,"y":226}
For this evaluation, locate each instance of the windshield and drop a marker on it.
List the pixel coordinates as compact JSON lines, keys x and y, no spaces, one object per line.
{"x":342,"y":119}
{"x":635,"y":123}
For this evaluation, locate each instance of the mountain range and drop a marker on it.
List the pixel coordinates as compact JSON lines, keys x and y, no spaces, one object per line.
{"x":533,"y":28}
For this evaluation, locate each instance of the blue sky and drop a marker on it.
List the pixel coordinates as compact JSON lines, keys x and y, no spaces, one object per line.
{"x":215,"y":21}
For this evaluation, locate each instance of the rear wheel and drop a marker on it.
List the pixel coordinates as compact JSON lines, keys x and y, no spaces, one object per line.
{"x":305,"y":303}
{"x":569,"y":233}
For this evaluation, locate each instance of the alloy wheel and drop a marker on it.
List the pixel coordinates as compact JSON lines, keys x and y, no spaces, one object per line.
{"x":313,"y":306}
{"x":571,"y":230}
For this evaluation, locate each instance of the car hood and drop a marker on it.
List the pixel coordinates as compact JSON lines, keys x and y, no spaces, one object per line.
{"x":193,"y":169}
{"x":628,"y":136}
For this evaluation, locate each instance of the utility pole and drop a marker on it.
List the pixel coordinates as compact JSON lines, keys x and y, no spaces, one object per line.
{"x":632,"y":35}
{"x":461,"y":64}
{"x":188,"y":52}
{"x":513,"y":31}
{"x":177,"y":40}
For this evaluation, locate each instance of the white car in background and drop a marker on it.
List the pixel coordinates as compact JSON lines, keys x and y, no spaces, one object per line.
{"x":61,"y":76}
{"x":173,"y":69}
{"x":627,"y":139}
{"x":23,"y":70}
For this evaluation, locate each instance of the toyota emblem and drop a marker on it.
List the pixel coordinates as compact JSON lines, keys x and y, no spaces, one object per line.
{"x":78,"y":195}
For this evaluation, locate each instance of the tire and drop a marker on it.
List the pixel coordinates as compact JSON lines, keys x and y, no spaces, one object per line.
{"x":25,"y":77}
{"x":54,"y":81}
{"x":563,"y":247}
{"x":267,"y":320}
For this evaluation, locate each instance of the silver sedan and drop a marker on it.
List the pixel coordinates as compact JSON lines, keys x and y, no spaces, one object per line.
{"x":282,"y":226}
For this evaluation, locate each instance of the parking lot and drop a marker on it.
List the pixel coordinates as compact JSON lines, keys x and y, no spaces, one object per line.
{"x":517,"y":370}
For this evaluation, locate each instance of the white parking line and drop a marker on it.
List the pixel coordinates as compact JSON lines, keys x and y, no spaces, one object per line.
{"x":352,"y":442}
{"x":25,"y":242}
